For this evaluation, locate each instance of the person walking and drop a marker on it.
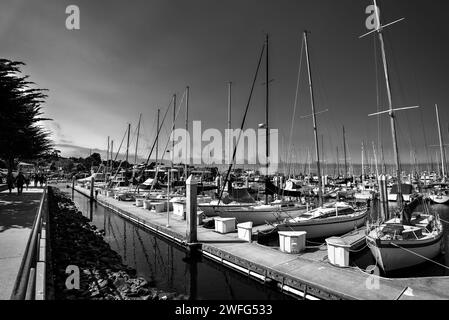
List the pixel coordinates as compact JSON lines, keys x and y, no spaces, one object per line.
{"x":10,"y":182}
{"x":27,"y":180}
{"x":36,"y":180}
{"x":20,"y":181}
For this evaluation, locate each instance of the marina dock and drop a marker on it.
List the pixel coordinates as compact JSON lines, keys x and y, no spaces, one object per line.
{"x":308,"y":275}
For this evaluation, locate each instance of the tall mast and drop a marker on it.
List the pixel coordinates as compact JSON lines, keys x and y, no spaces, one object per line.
{"x":157,"y":136}
{"x":187,"y":130}
{"x":127,"y":144}
{"x":267,"y":130}
{"x":137,"y":141}
{"x":315,"y":131}
{"x":338,"y":163}
{"x":107,"y":157}
{"x":112,"y":154}
{"x":375,"y":160}
{"x":384,"y":166}
{"x":229,"y":156}
{"x":322,"y":155}
{"x":442,"y":153}
{"x":344,"y":148}
{"x":363,"y":167}
{"x":173,"y":129}
{"x":390,"y":105}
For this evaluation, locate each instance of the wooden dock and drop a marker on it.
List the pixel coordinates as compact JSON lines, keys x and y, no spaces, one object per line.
{"x":308,"y":274}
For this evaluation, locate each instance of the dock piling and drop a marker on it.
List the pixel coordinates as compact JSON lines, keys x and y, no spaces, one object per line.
{"x":191,"y":210}
{"x":92,"y":187}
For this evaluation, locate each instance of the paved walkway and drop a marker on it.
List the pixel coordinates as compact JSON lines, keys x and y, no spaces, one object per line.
{"x":17,"y":214}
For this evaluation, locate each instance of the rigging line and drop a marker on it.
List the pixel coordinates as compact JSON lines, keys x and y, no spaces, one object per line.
{"x":158,"y":132}
{"x":173,"y":126}
{"x":120,"y":147}
{"x":296,"y":98}
{"x":166,"y":146}
{"x":144,"y":133}
{"x":376,"y":67}
{"x":395,"y":68}
{"x":243,"y":122}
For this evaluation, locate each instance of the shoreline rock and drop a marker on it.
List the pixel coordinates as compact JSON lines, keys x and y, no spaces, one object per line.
{"x":103,"y":276}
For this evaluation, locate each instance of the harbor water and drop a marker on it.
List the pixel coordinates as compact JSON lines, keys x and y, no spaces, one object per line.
{"x":167,"y":266}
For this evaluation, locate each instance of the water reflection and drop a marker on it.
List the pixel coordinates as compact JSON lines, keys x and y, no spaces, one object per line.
{"x":168,"y":266}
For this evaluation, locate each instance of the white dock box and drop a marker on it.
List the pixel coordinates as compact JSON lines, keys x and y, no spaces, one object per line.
{"x":179,"y":209}
{"x":245,"y":231}
{"x":338,"y":251}
{"x":160,"y":207}
{"x":224,"y":225}
{"x":147,"y":204}
{"x":292,"y":241}
{"x":139,"y":202}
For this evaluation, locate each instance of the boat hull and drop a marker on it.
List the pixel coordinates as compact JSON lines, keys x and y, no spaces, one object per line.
{"x":322,"y":228}
{"x":443,"y":199}
{"x":259,"y":217}
{"x":211,"y":210}
{"x":391,"y":258}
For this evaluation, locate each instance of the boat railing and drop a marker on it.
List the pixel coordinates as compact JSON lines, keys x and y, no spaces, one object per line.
{"x":31,"y":281}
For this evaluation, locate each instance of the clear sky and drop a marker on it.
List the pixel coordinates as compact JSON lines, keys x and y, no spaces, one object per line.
{"x":129,"y":57}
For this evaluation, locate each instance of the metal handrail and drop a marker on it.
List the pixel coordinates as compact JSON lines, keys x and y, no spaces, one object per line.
{"x":26,"y":277}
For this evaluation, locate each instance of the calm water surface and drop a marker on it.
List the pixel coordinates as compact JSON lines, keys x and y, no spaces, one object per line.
{"x":167,"y":266}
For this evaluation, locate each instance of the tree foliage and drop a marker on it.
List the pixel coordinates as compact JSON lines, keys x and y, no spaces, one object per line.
{"x":21,"y":136}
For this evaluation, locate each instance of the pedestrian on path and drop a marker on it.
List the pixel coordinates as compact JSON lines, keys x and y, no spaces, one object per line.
{"x":27,"y":181}
{"x":20,"y":181}
{"x":10,"y":182}
{"x":36,"y":180}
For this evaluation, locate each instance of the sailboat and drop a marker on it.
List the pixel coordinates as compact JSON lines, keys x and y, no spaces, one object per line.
{"x":411,"y":238}
{"x":258,"y":213}
{"x":332,"y":218}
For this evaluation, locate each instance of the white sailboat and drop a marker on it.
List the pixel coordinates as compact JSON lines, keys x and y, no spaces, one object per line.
{"x":329,"y":219}
{"x":413,"y":238}
{"x":254,"y":212}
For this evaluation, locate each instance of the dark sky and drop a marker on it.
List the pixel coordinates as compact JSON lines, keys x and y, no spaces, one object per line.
{"x":130,"y":56}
